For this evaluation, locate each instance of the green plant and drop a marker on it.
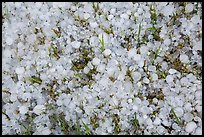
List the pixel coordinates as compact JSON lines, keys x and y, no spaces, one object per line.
{"x":34,"y":79}
{"x":87,"y":129}
{"x":116,"y":121}
{"x":78,"y":128}
{"x":136,"y":122}
{"x":138,"y":35}
{"x":63,"y":124}
{"x":175,"y":116}
{"x":53,"y":51}
{"x":94,"y":121}
{"x":101,"y":41}
{"x":153,"y":14}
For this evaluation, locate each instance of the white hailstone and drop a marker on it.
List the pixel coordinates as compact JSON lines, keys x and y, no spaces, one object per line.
{"x":101,"y":68}
{"x":198,"y":131}
{"x":167,"y":42}
{"x":23,"y":109}
{"x":113,"y":10}
{"x":136,"y":76}
{"x":184,"y":81}
{"x":96,"y":61}
{"x":13,"y":97}
{"x":195,"y":19}
{"x":43,"y":76}
{"x":129,"y":100}
{"x":110,"y":71}
{"x":149,"y":121}
{"x":164,"y":65}
{"x":86,"y":16}
{"x":188,"y":116}
{"x":135,"y":108}
{"x":141,"y":63}
{"x":198,"y":108}
{"x":59,"y":102}
{"x":26,"y":96}
{"x":172,"y":71}
{"x":166,"y":123}
{"x":131,"y":53}
{"x":197,"y":45}
{"x":138,"y":100}
{"x":154,"y":77}
{"x":17,"y":4}
{"x":76,"y":44}
{"x":32,"y":38}
{"x":46,"y":131}
{"x":189,"y":7}
{"x":157,"y":121}
{"x":107,"y":52}
{"x":179,"y":112}
{"x":198,"y":119}
{"x":137,"y":57}
{"x":90,"y":65}
{"x":143,"y":49}
{"x":190,"y":127}
{"x":169,"y":79}
{"x":55,"y":4}
{"x":9,"y":41}
{"x":125,"y":16}
{"x":160,"y":130}
{"x":146,"y":132}
{"x":151,"y":68}
{"x":184,"y":58}
{"x":115,"y":101}
{"x":41,"y":130}
{"x":168,"y":10}
{"x":39,"y":109}
{"x":155,"y":100}
{"x":145,"y":116}
{"x":188,"y":107}
{"x":110,"y":17}
{"x":93,"y":24}
{"x":20,"y":70}
{"x":146,"y":80}
{"x":7,"y":53}
{"x":86,"y":70}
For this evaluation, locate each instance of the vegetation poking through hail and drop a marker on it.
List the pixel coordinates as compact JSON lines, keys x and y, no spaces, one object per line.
{"x":116,"y":121}
{"x":34,"y":79}
{"x":99,"y":68}
{"x":87,"y":129}
{"x":175,"y":117}
{"x":101,"y":41}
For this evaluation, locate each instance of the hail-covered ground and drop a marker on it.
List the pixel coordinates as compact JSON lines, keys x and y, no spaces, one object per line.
{"x":102,"y":68}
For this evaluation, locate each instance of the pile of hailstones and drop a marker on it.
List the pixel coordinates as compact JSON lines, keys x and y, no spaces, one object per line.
{"x":102,"y":68}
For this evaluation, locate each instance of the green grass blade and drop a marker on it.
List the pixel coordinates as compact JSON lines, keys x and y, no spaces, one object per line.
{"x":135,"y":121}
{"x":177,"y":119}
{"x":101,"y":41}
{"x":87,"y":129}
{"x":140,"y":27}
{"x":34,"y":79}
{"x":78,"y":75}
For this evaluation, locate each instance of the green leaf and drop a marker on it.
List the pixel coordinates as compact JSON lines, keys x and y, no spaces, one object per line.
{"x":140,"y":27}
{"x":78,"y":128}
{"x":152,"y":28}
{"x":78,"y":75}
{"x":101,"y":41}
{"x":175,"y":116}
{"x":135,"y":121}
{"x":87,"y":129}
{"x":34,"y":79}
{"x":157,"y":52}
